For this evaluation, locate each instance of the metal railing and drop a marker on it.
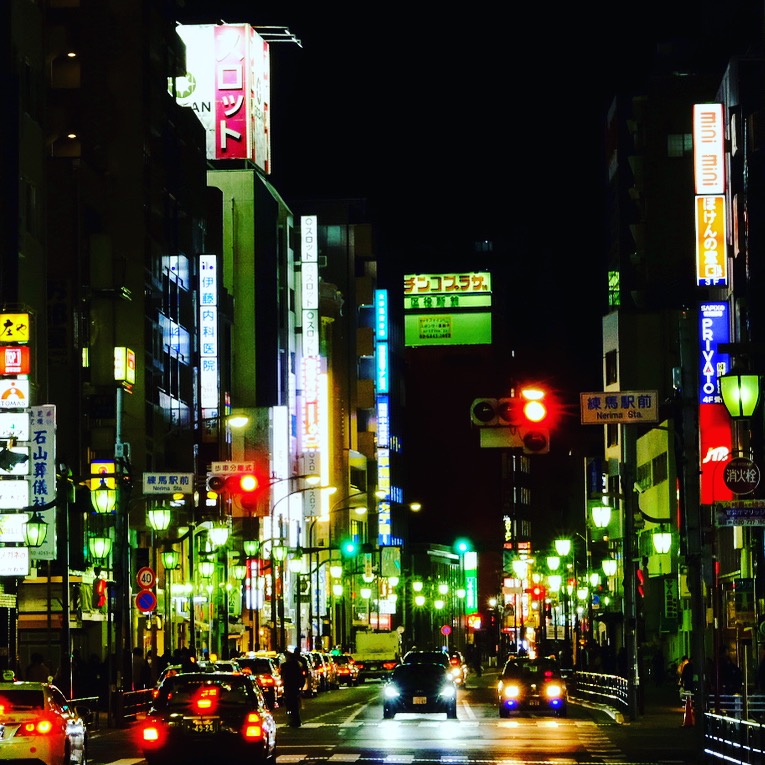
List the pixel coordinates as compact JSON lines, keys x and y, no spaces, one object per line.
{"x":734,"y":724}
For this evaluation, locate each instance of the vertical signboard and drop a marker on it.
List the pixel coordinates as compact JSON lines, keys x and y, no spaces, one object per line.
{"x":715,"y":439}
{"x":42,"y":484}
{"x":227,"y":85}
{"x":209,"y":381}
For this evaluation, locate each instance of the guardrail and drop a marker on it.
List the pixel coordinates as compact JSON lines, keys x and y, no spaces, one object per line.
{"x":734,"y":724}
{"x":90,"y":708}
{"x":128,"y":705}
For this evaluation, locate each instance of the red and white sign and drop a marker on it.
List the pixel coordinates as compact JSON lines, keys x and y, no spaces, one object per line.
{"x":228,"y":87}
{"x":14,"y":360}
{"x":146,"y":578}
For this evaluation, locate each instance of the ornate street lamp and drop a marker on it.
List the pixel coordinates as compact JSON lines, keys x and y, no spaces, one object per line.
{"x":662,"y":540}
{"x":159,"y":518}
{"x":206,"y":568}
{"x":609,"y":567}
{"x":35,"y":530}
{"x":99,"y":547}
{"x":601,"y":516}
{"x":170,"y":558}
{"x":103,"y":499}
{"x":740,"y":393}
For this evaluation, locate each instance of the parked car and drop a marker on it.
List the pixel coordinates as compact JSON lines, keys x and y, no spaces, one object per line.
{"x":39,"y":725}
{"x":266,"y":671}
{"x":531,"y":685}
{"x":313,"y":680}
{"x":346,"y":669}
{"x":197,"y":716}
{"x":421,"y":687}
{"x":326,"y":670}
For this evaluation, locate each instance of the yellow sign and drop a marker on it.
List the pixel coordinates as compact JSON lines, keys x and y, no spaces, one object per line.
{"x":15,"y":327}
{"x":124,"y":365}
{"x":102,"y":471}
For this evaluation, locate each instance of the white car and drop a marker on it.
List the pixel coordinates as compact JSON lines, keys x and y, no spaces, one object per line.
{"x":38,"y":724}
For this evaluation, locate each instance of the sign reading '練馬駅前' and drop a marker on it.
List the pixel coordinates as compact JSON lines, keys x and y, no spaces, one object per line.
{"x":607,"y":407}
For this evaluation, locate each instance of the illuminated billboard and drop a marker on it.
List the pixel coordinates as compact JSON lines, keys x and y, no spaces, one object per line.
{"x":227,"y":85}
{"x":447,"y":309}
{"x":711,"y":258}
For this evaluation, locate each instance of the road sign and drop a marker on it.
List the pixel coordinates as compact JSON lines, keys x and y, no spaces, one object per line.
{"x":146,"y":578}
{"x":168,"y":483}
{"x":223,"y":468}
{"x":619,"y":406}
{"x":145,"y":601}
{"x":741,"y":476}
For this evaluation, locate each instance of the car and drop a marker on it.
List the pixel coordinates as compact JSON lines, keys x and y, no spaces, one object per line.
{"x":531,"y":685}
{"x":458,"y":667}
{"x":313,"y":679}
{"x":430,"y":657}
{"x":326,"y":670}
{"x":266,"y":671}
{"x":421,"y":688}
{"x":197,"y":716}
{"x":38,"y":725}
{"x":346,"y":669}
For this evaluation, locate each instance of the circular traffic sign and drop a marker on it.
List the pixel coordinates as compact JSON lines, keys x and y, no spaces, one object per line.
{"x":145,"y":601}
{"x":741,"y":475}
{"x":146,"y":578}
{"x":446,"y":630}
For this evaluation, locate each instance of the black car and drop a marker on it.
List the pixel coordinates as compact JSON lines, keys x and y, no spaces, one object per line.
{"x":198,"y":716}
{"x":426,"y":657}
{"x":420,"y":688}
{"x":531,"y":685}
{"x":265,"y":670}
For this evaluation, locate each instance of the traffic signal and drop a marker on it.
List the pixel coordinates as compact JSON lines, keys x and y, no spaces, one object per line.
{"x":462,"y":546}
{"x":533,"y":419}
{"x":99,"y":592}
{"x":483,"y":412}
{"x":246,"y":488}
{"x":640,"y":581}
{"x":348,"y":548}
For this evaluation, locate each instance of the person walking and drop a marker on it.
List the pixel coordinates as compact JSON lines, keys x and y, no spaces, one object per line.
{"x":38,"y":671}
{"x":293,"y":679}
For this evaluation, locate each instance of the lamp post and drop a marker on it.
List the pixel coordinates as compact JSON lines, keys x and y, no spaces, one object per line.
{"x":563,"y":549}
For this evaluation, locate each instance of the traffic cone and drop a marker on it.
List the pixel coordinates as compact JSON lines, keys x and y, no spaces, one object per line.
{"x":689,"y":720}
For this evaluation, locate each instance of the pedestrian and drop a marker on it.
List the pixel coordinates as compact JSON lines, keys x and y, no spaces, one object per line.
{"x":731,"y":679}
{"x":687,"y":684}
{"x":140,"y":669}
{"x":293,"y":675}
{"x":38,"y":671}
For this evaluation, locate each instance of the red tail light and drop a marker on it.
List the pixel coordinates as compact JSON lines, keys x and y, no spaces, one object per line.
{"x":152,"y":734}
{"x":206,"y":699}
{"x":266,"y":680}
{"x":253,"y":728}
{"x":41,"y":726}
{"x":390,"y":664}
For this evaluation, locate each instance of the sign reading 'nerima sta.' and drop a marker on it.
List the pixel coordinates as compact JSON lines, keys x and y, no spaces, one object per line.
{"x":607,"y":407}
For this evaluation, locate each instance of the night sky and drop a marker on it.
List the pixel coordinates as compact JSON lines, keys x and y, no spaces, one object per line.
{"x":487,"y":124}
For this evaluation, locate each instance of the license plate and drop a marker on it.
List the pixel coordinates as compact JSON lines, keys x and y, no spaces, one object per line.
{"x":419,"y":700}
{"x":203,"y":725}
{"x":533,"y":702}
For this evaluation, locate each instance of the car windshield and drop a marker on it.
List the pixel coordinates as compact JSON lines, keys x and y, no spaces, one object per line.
{"x":407,"y":671}
{"x":530,"y":669}
{"x":258,"y":666}
{"x":426,"y":657}
{"x":181,"y":691}
{"x":22,"y":698}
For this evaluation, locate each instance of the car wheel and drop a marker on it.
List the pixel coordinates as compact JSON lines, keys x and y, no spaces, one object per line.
{"x":504,"y":713}
{"x":388,"y":714}
{"x":561,"y":712}
{"x":451,"y":713}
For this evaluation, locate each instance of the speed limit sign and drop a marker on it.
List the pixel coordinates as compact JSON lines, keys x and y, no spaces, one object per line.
{"x":146,"y":578}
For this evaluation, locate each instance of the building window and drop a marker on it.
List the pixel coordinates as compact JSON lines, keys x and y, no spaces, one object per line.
{"x":679,"y":144}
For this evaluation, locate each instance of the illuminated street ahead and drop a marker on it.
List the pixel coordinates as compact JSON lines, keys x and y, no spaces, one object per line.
{"x":347,"y":725}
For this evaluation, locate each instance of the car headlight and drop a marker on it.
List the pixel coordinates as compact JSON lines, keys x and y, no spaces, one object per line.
{"x":448,"y":691}
{"x":391,"y":692}
{"x":511,"y":691}
{"x":456,"y":672}
{"x":553,"y":691}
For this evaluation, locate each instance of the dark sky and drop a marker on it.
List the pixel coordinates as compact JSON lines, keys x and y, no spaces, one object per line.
{"x":486,"y":124}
